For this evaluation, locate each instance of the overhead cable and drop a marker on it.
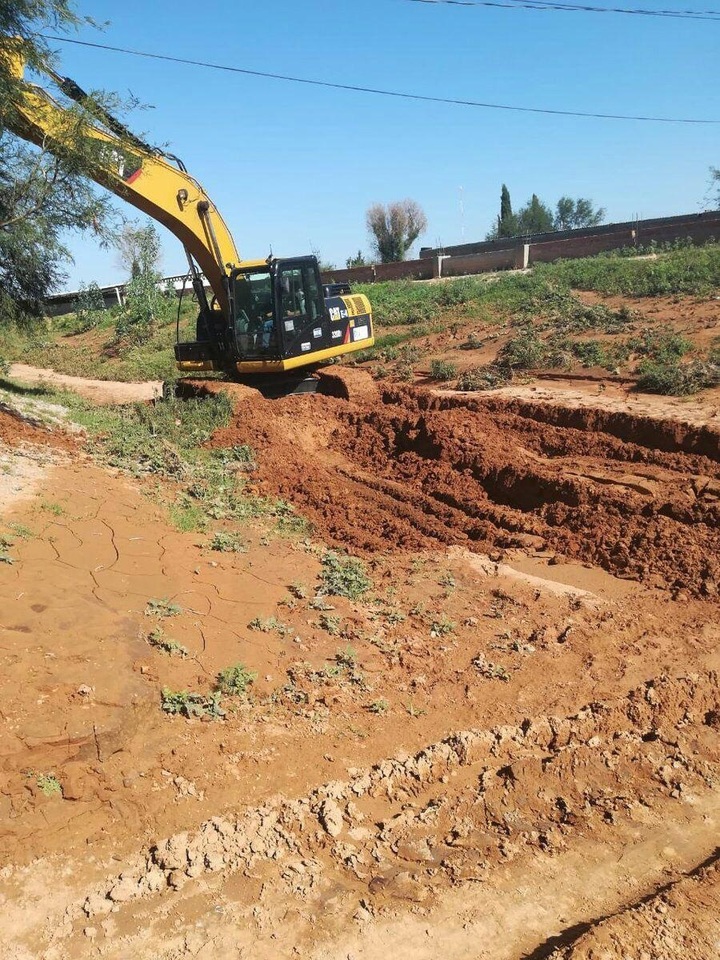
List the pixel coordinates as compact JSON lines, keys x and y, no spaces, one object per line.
{"x":553,"y":5}
{"x":383,"y":93}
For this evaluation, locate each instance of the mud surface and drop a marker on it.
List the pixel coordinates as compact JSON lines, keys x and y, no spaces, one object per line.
{"x":506,"y":749}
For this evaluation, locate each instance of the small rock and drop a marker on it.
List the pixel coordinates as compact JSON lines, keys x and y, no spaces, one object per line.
{"x":124,"y":890}
{"x":90,"y":932}
{"x":155,"y":879}
{"x":84,"y":690}
{"x":331,"y":818}
{"x":96,"y":903}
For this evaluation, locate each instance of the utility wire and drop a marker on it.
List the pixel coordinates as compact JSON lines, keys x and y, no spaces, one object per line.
{"x":553,"y":5}
{"x":378,"y":92}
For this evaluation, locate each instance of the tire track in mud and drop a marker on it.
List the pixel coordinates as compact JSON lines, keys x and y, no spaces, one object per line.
{"x":478,"y":802}
{"x":680,"y":919}
{"x":413,"y":470}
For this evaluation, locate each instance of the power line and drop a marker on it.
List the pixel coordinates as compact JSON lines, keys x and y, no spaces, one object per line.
{"x":378,"y":92}
{"x":553,"y":5}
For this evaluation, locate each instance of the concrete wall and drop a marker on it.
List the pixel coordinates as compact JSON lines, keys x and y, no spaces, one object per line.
{"x":517,"y":253}
{"x":478,"y":263}
{"x":668,"y":227}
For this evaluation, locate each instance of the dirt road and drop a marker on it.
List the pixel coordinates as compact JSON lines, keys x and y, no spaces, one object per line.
{"x":507,"y":749}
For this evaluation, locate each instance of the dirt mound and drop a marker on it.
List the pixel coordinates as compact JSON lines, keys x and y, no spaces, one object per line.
{"x":418,"y":471}
{"x":16,"y":429}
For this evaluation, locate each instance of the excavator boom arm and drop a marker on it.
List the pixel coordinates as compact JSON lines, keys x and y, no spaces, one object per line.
{"x":136,"y":174}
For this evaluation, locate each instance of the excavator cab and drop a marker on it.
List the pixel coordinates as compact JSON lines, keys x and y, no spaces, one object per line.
{"x":280,"y":320}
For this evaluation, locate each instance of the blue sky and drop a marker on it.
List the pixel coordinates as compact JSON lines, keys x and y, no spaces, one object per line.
{"x":294,"y":167}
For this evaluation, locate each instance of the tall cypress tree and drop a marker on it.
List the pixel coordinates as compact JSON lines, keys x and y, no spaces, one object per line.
{"x":507,"y":226}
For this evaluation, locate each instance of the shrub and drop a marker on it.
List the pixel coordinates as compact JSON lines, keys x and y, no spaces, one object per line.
{"x":183,"y":703}
{"x":343,"y":576}
{"x":483,"y":378}
{"x":89,"y":306}
{"x":442,"y":370}
{"x":146,"y":307}
{"x":235,"y":680}
{"x":676,"y":378}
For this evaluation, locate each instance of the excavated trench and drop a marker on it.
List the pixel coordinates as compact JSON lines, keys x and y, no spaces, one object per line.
{"x":411,"y":470}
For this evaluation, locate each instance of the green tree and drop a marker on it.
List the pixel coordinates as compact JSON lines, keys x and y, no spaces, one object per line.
{"x":136,"y":254}
{"x":394,"y":227}
{"x":42,"y":195}
{"x":534,"y":217}
{"x":507,"y":222}
{"x":357,"y":261}
{"x":572,"y":214}
{"x":146,"y":305}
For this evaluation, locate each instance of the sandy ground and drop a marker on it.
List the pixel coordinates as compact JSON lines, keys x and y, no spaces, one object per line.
{"x":507,"y":749}
{"x":99,"y":391}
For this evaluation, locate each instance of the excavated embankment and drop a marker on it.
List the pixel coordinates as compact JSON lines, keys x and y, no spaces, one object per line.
{"x":412,"y":470}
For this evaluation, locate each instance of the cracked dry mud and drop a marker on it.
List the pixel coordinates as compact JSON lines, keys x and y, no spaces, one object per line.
{"x":542,"y":781}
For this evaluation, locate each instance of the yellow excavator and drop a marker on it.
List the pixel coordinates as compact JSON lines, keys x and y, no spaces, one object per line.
{"x":265,"y":317}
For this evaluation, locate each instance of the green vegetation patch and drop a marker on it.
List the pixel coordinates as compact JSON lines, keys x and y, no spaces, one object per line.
{"x":343,"y":576}
{"x":689,"y":270}
{"x":186,"y":704}
{"x":234,"y":681}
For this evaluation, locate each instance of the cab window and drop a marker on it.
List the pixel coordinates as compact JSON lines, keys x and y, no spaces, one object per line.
{"x":254,"y":320}
{"x":299,"y":292}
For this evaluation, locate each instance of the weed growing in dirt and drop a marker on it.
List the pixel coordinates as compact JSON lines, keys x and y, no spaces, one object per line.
{"x":227,"y":543}
{"x":441,"y":627}
{"x":379,"y":707}
{"x":343,"y":576}
{"x":242,"y":454}
{"x":528,"y":351}
{"x":412,"y":710}
{"x":299,"y":590}
{"x":442,"y":370}
{"x":473,"y":342}
{"x":676,"y":378}
{"x":489,"y":670}
{"x":269,"y":625}
{"x":563,"y":312}
{"x":186,"y":704}
{"x":234,"y":681}
{"x":483,"y":378}
{"x":330,"y":623}
{"x":54,"y":508}
{"x":156,"y":638}
{"x":404,"y":371}
{"x":599,"y":353}
{"x":49,"y":785}
{"x":162,"y":608}
{"x":188,"y":517}
{"x":319,"y":603}
{"x":20,"y":530}
{"x":5,"y":544}
{"x":660,"y":346}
